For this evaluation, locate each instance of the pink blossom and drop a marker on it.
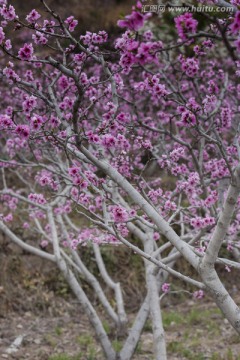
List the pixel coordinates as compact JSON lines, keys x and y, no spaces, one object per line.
{"x":23,"y":131}
{"x":119,"y":214}
{"x":123,"y":230}
{"x":199,"y":294}
{"x":37,"y":198}
{"x":29,"y":104}
{"x":188,"y":118}
{"x":63,"y":82}
{"x":108,"y":141}
{"x":26,"y":52}
{"x":71,"y":22}
{"x":74,"y":171}
{"x":235,"y":26}
{"x":165,"y":288}
{"x":36,"y":122}
{"x":226,"y":117}
{"x":6,"y":121}
{"x":170,"y":205}
{"x":156,"y":236}
{"x":8,"y":13}
{"x":86,"y":39}
{"x":79,"y":58}
{"x":100,"y":37}
{"x":227,"y":268}
{"x":211,"y":199}
{"x":209,"y":103}
{"x":199,"y":223}
{"x":10,"y":73}
{"x":237,"y":44}
{"x":8,"y":44}
{"x":44,"y":244}
{"x":186,"y":25}
{"x":8,"y":218}
{"x":177,"y":153}
{"x":212,"y":87}
{"x":201,"y":250}
{"x":39,"y":38}
{"x":133,"y":22}
{"x":93,"y":138}
{"x":33,"y":16}
{"x":26,"y":225}
{"x":229,"y":246}
{"x":2,"y":35}
{"x":190,"y":66}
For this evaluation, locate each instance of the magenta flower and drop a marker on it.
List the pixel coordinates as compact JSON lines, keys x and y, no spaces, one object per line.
{"x":26,"y":52}
{"x":165,"y":288}
{"x":8,"y":218}
{"x":71,"y":22}
{"x":8,"y":44}
{"x":44,"y":244}
{"x":2,"y":35}
{"x":199,"y":294}
{"x":108,"y":141}
{"x":8,"y":13}
{"x":26,"y":225}
{"x":5,"y":121}
{"x":73,"y":171}
{"x":23,"y":131}
{"x":235,"y":26}
{"x":226,"y":117}
{"x":36,"y":122}
{"x":37,"y":198}
{"x":119,"y":214}
{"x":190,"y":66}
{"x":133,"y":22}
{"x":185,"y":25}
{"x":33,"y":16}
{"x":237,"y":44}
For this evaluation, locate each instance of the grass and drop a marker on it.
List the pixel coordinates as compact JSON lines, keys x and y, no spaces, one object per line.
{"x":65,"y":357}
{"x":179,"y":349}
{"x":50,"y":340}
{"x":193,"y":317}
{"x":80,"y":356}
{"x":58,"y":330}
{"x":86,"y":342}
{"x":106,"y":327}
{"x":229,"y":356}
{"x":195,"y":323}
{"x":117,"y":345}
{"x":59,"y":357}
{"x":172,"y":318}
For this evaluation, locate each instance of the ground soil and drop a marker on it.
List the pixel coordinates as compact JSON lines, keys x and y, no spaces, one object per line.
{"x":69,"y":333}
{"x":36,"y":304}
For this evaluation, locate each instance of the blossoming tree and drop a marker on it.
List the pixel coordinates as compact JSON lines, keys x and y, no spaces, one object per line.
{"x":140,"y":137}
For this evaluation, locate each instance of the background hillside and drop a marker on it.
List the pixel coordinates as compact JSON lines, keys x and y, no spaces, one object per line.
{"x":92,"y":15}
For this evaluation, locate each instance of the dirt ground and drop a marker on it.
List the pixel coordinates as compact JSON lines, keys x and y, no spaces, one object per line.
{"x":204,"y":335}
{"x":38,"y":311}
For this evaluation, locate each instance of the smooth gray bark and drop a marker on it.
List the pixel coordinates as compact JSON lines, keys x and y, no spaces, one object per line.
{"x":154,"y":305}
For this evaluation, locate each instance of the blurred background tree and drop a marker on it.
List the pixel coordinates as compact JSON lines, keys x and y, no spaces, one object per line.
{"x":92,"y":15}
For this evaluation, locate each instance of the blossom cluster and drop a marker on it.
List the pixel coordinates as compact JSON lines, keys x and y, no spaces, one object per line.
{"x":37,"y":198}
